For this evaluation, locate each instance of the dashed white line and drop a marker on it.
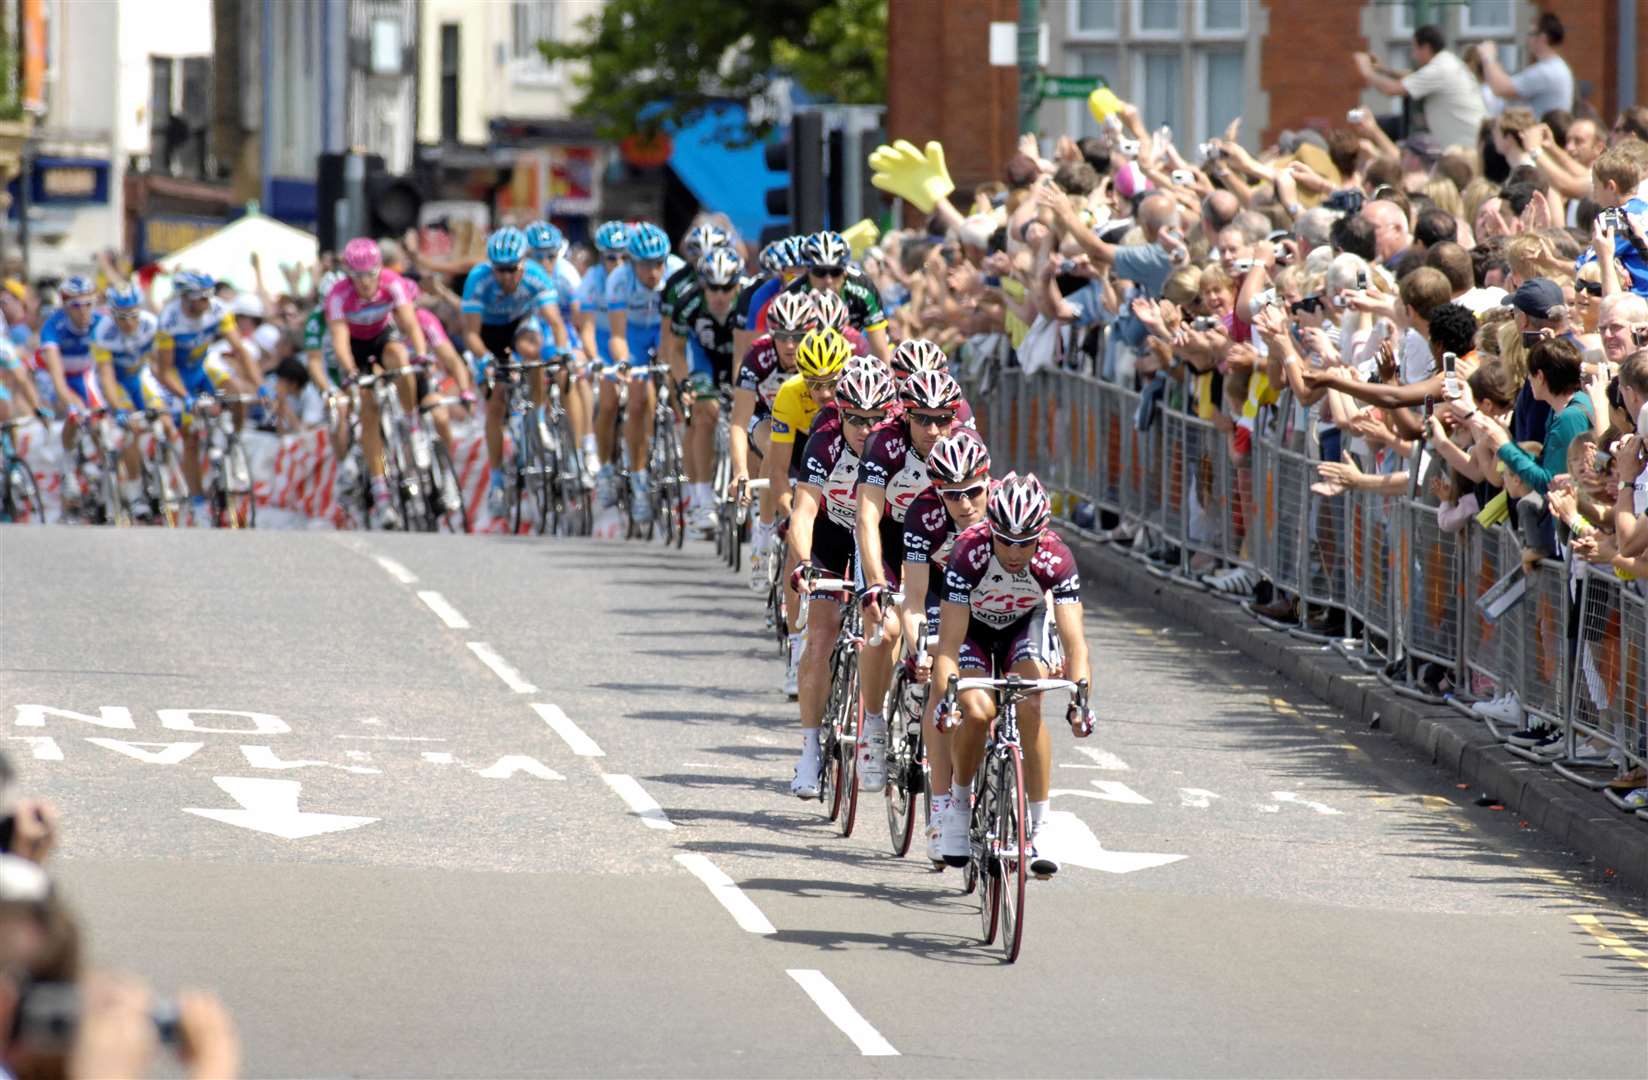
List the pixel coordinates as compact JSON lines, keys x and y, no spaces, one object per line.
{"x":395,"y":738}
{"x":635,"y":797}
{"x":501,"y":668}
{"x":445,"y":611}
{"x":1104,"y":759}
{"x":840,"y":1012}
{"x":573,"y":735}
{"x":396,"y":570}
{"x":727,"y":892}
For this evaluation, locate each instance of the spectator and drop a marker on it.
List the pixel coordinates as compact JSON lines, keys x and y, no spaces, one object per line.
{"x":1543,"y":85}
{"x":1434,"y":227}
{"x":1390,"y":229}
{"x":1554,"y":378}
{"x":1448,"y":97}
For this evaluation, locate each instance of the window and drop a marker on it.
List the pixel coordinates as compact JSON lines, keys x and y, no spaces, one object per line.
{"x":1095,"y":18}
{"x":1489,"y":17}
{"x":1160,"y":85}
{"x":1223,"y":17}
{"x":1158,"y":18}
{"x":534,"y":21}
{"x":1224,"y":92}
{"x":450,"y":67}
{"x":1101,"y":62}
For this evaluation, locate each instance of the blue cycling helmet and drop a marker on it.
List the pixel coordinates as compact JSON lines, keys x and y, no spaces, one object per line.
{"x":545,"y":240}
{"x":648,"y":243}
{"x":774,"y":257}
{"x":77,"y":285}
{"x":192,"y":281}
{"x":612,"y":236}
{"x":506,"y":247}
{"x":792,"y":250}
{"x":125,"y":299}
{"x":704,"y":238}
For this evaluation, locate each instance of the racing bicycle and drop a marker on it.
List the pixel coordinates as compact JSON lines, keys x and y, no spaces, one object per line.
{"x":19,"y":494}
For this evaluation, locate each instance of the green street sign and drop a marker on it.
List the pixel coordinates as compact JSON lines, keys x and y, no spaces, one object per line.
{"x":1069,"y":86}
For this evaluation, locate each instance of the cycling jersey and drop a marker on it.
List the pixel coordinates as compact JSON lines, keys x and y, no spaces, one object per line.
{"x":830,"y":465}
{"x":369,"y":316}
{"x":482,"y":295}
{"x":753,"y":300}
{"x":675,"y":290}
{"x":761,"y":374}
{"x":129,"y":353}
{"x":433,"y":332}
{"x":592,"y":297}
{"x":567,"y":282}
{"x":642,"y":307}
{"x":998,"y":599}
{"x":189,"y":337}
{"x":708,"y":339}
{"x":859,"y":292}
{"x":74,"y":347}
{"x":793,"y":410}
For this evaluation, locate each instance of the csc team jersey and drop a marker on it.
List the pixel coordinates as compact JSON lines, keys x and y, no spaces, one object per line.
{"x":190,"y":338}
{"x":483,"y":296}
{"x":998,"y":598}
{"x":762,"y":374}
{"x":74,"y":346}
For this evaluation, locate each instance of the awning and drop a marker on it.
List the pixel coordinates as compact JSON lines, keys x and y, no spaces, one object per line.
{"x":227,"y":253}
{"x":732,"y":180}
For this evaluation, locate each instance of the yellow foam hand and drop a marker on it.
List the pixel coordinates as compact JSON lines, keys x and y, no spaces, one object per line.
{"x":859,"y":237}
{"x":1103,"y":104}
{"x":916,"y":176}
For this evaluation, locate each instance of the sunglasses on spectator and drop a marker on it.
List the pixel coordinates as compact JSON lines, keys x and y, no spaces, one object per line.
{"x":858,"y":419}
{"x":827,"y":271}
{"x":1594,"y":288}
{"x":931,"y":419}
{"x":1015,"y":541}
{"x":1306,"y":304}
{"x":956,"y":494}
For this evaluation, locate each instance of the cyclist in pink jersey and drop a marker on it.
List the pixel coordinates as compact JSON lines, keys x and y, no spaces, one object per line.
{"x":368,"y":314}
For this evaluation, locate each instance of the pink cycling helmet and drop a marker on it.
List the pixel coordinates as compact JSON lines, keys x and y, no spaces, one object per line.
{"x":361,"y":256}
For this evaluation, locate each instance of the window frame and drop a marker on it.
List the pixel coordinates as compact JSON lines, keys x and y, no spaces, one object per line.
{"x":529,"y":68}
{"x":1200,"y":125}
{"x":1137,"y":32}
{"x":1202,"y":32}
{"x":1075,"y":33}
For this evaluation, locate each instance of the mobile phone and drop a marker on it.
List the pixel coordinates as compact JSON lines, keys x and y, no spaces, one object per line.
{"x":1602,"y":462}
{"x":1450,"y":377}
{"x":1639,"y":337}
{"x":1357,"y":116}
{"x":1067,"y":266}
{"x":1340,"y":302}
{"x":1362,"y":281}
{"x":1242,"y":266}
{"x":1128,"y":147}
{"x":1183,"y":177}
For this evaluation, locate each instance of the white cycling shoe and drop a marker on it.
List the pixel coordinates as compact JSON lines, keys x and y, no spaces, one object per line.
{"x":808,"y":772}
{"x":934,"y":828}
{"x":872,"y":760}
{"x":952,"y":839}
{"x":758,"y":571}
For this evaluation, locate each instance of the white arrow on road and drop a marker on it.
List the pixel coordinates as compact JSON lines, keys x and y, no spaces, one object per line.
{"x":1067,"y":838}
{"x":271,"y":806}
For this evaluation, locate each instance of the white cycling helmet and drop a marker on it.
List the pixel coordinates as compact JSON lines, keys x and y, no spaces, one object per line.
{"x":930,"y":390}
{"x":720,"y":267}
{"x":832,"y":310}
{"x":1019,"y":509}
{"x":791,"y":313}
{"x":866,"y":385}
{"x":918,"y":354}
{"x":958,"y":457}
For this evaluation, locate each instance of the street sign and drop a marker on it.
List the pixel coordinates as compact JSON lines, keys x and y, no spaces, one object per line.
{"x":1069,"y":86}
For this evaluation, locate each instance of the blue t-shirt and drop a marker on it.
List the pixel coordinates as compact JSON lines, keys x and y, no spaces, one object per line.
{"x":1634,"y":261}
{"x":73,"y":346}
{"x":642,"y":306}
{"x":1147,"y":266}
{"x":483,"y":295}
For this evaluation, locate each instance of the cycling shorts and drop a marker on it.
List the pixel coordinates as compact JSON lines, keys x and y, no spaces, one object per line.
{"x":142,"y":390}
{"x":993,"y":651}
{"x":206,"y":377}
{"x":368,"y":352}
{"x":833,"y":549}
{"x":85,"y":384}
{"x":499,"y":338}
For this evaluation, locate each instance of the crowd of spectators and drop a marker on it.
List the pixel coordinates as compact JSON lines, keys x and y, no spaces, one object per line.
{"x":1469,"y":299}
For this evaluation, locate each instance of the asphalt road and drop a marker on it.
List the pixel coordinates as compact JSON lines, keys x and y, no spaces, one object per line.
{"x":489,"y":820}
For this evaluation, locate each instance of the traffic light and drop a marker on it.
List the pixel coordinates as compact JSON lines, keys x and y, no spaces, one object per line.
{"x":391,"y":203}
{"x":801,"y":155}
{"x":852,"y":197}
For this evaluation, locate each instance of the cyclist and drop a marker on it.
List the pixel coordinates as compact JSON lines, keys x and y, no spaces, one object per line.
{"x":770,"y":361}
{"x":14,"y":379}
{"x":367,"y":316}
{"x":443,"y":356}
{"x":919,"y":354}
{"x":595,"y":332}
{"x":893,"y":471}
{"x":497,"y":296}
{"x":819,"y":359}
{"x":122,"y":346}
{"x":826,"y":255}
{"x":780,"y":262}
{"x":548,"y":246}
{"x":994,"y":620}
{"x":700,"y":240}
{"x":703,"y":319}
{"x":959,"y":465}
{"x":188,"y":365}
{"x":832,"y":312}
{"x":65,"y":356}
{"x":634,"y":313}
{"x":821,"y":538}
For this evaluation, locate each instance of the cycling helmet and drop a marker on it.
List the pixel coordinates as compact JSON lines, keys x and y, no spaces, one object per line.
{"x":1019,"y":508}
{"x":832,"y":310}
{"x":612,"y":236}
{"x":704,"y":238}
{"x":124,"y":299}
{"x":918,"y":354}
{"x":866,"y":386}
{"x":361,"y":256}
{"x":822,"y":353}
{"x":720,"y":266}
{"x":545,"y":240}
{"x":506,"y":247}
{"x":192,"y":281}
{"x":930,"y":390}
{"x":791,"y":311}
{"x":826,"y":249}
{"x":78,"y":285}
{"x":648,"y":243}
{"x":958,"y":457}
{"x":776,"y":256}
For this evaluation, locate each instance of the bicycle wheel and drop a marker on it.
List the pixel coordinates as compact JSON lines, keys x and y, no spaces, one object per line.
{"x":1008,"y":879}
{"x":544,"y":464}
{"x":446,"y":498}
{"x":981,"y":866}
{"x":115,"y":511}
{"x":852,"y":724}
{"x":577,"y":514}
{"x":240,"y":504}
{"x":831,"y":790}
{"x":168,"y":496}
{"x":667,"y":479}
{"x":900,"y":795}
{"x":23,"y":494}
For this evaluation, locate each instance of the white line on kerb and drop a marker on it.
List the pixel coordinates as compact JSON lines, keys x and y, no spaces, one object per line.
{"x":447,"y":613}
{"x":560,"y":723}
{"x":725,"y":890}
{"x":396,"y":570}
{"x":501,"y":668}
{"x":841,"y":1013}
{"x":636,"y":798}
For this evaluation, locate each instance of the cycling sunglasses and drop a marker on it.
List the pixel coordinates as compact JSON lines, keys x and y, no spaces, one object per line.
{"x":83,"y":304}
{"x":728,"y":287}
{"x":861,"y":420}
{"x":821,"y":384}
{"x":650,"y":263}
{"x":931,"y":419}
{"x":612,"y":256}
{"x":1306,"y":304}
{"x":954,"y":494}
{"x":507,"y":268}
{"x":789,"y":337}
{"x":827,"y":271}
{"x":1015,"y":541}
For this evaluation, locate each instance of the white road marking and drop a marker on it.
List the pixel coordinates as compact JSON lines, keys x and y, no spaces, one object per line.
{"x":1068,"y":839}
{"x":1290,"y":797}
{"x":1116,"y":791}
{"x":396,"y":570}
{"x":264,"y":757}
{"x":395,"y":738}
{"x":511,"y":764}
{"x":357,"y":755}
{"x":271,"y":806}
{"x":727,"y":892}
{"x":41,"y":747}
{"x":501,"y":668}
{"x":635,"y":797}
{"x":446,"y":612}
{"x":1104,"y":759}
{"x":150,"y":753}
{"x":840,"y":1012}
{"x":438,"y":757}
{"x":573,"y":735}
{"x":1196,"y":798}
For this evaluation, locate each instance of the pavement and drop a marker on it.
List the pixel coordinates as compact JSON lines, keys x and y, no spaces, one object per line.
{"x":487,"y":806}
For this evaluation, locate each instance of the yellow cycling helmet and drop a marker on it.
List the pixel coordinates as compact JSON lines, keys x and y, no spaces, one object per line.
{"x":822,"y":354}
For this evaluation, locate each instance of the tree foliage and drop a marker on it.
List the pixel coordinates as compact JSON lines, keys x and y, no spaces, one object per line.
{"x":651,"y":64}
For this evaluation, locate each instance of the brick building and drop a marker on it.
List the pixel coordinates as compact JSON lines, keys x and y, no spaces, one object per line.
{"x":1195,"y":64}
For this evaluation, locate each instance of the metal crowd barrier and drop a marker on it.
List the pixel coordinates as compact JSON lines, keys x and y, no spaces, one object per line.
{"x":1574,"y":648}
